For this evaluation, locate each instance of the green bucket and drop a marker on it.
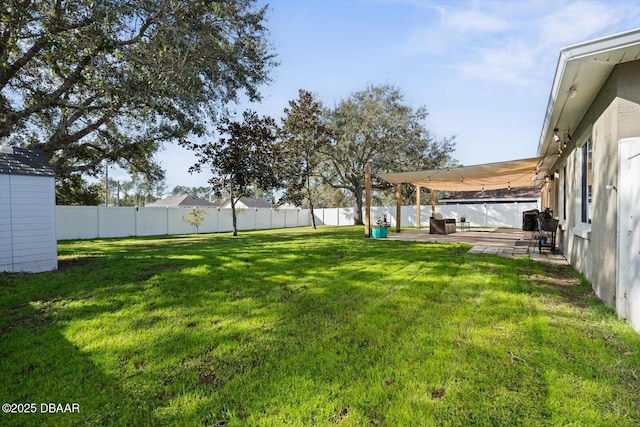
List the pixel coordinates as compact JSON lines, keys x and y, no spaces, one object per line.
{"x":379,"y":232}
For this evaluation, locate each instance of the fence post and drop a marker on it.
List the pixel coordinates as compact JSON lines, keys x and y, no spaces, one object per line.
{"x":486,"y":215}
{"x":99,"y":217}
{"x":398,"y":207}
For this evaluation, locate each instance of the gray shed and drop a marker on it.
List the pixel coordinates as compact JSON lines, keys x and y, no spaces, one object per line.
{"x":27,"y":211}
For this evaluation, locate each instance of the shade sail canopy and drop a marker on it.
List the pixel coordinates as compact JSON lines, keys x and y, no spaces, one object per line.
{"x":488,"y":176}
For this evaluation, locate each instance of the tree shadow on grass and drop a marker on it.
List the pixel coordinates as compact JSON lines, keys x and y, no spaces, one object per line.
{"x":40,"y":366}
{"x":319,"y":328}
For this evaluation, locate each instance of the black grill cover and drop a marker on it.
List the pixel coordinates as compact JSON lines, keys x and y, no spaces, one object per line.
{"x":529,"y":219}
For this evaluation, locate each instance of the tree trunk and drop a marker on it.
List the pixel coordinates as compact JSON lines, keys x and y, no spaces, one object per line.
{"x":234,"y":218}
{"x":313,"y":217}
{"x":357,"y":214}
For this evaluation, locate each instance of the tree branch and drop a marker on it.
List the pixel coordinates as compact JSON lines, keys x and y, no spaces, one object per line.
{"x":61,"y":142}
{"x":6,"y":74}
{"x":12,"y":119}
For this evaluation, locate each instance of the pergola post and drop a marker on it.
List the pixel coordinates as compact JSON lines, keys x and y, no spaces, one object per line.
{"x":367,"y":203}
{"x":398,"y":206}
{"x":433,"y":202}
{"x":419,"y":190}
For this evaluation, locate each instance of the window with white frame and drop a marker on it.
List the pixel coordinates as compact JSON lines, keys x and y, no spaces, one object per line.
{"x":587,"y":181}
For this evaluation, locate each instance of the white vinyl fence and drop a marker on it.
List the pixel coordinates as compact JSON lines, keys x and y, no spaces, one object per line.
{"x":478,"y":215}
{"x":90,"y":222}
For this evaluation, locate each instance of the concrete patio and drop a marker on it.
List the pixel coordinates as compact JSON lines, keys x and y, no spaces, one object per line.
{"x":505,"y":242}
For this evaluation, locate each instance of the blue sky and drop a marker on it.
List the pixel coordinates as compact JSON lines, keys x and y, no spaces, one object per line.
{"x":483,"y":69}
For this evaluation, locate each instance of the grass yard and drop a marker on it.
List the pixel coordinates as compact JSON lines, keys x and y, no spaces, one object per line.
{"x":301,"y":327}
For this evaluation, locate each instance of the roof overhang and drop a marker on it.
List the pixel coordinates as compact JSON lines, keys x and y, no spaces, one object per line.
{"x":488,"y":176}
{"x":581,"y":72}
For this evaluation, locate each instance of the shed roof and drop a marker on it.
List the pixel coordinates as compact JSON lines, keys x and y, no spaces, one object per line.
{"x":24,"y":161}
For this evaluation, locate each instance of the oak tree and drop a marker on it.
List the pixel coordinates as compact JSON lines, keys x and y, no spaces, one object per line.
{"x":375,"y":127}
{"x":95,"y":80}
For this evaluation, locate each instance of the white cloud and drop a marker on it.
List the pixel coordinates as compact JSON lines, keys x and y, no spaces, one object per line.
{"x":516,"y":42}
{"x":508,"y":64}
{"x":472,"y":22}
{"x":574,"y":22}
{"x":454,"y":27}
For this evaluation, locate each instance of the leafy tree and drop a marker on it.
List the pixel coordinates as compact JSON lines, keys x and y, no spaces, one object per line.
{"x":196,"y":217}
{"x":147,"y":189}
{"x":201,"y":192}
{"x":180,"y":190}
{"x":127,"y":196}
{"x":89,"y":80}
{"x":304,"y":133}
{"x":73,"y":190}
{"x":374,"y":127}
{"x":139,"y":191}
{"x":387,"y":197}
{"x":326,"y":196}
{"x":242,"y":160}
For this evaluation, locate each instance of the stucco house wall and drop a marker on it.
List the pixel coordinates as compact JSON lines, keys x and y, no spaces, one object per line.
{"x":614,"y":115}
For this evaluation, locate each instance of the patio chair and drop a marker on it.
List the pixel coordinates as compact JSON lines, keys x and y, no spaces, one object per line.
{"x":441,"y":225}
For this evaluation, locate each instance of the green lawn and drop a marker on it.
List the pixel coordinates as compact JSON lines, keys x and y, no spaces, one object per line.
{"x":302,"y":327}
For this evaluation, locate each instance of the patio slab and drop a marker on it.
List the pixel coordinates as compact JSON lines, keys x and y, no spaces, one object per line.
{"x":496,"y":241}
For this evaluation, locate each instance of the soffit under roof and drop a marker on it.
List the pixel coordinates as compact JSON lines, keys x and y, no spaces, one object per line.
{"x":585,"y":67}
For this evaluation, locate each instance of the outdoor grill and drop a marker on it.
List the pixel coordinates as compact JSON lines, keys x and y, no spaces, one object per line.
{"x":529,"y":219}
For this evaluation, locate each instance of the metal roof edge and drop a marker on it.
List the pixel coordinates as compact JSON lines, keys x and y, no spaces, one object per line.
{"x":553,"y":96}
{"x":602,"y":44}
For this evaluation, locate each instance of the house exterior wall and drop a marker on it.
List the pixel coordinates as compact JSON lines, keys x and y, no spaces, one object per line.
{"x":614,"y":115}
{"x":27,"y":221}
{"x":575,"y":240}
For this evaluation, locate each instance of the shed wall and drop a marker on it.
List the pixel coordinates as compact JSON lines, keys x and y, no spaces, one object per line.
{"x":27,"y":224}
{"x":6,"y":240}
